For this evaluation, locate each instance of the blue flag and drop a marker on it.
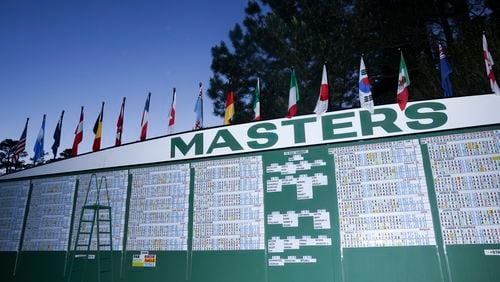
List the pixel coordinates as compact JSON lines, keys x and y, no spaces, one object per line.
{"x":445,"y":73}
{"x":57,"y":135}
{"x":39,"y":143}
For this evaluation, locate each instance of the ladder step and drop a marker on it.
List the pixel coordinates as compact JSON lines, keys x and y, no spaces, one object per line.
{"x":104,"y":232}
{"x":104,"y":245}
{"x":104,"y":220}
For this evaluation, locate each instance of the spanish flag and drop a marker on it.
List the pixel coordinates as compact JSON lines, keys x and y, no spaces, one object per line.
{"x":228,"y":116}
{"x":97,"y":131}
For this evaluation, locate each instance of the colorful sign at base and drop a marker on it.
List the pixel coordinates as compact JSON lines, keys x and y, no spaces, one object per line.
{"x":144,"y":259}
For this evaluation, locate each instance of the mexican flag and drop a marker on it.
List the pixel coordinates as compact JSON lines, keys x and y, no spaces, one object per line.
{"x":256,"y":102}
{"x":403,"y":83}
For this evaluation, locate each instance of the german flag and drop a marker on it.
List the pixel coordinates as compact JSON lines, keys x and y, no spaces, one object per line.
{"x":97,"y":131}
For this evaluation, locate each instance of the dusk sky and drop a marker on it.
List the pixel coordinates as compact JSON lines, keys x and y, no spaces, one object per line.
{"x":61,"y":55}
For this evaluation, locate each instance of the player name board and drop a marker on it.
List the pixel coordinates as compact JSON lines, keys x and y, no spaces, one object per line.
{"x":466,"y":172}
{"x":159,"y":206}
{"x":382,"y":195}
{"x":49,"y":216}
{"x":228,"y":204}
{"x":13,"y":198}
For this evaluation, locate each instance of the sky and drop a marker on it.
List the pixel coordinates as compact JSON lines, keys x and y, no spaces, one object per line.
{"x":60,"y":55}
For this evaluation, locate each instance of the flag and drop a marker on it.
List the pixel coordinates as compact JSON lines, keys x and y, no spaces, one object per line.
{"x":98,"y":131}
{"x":229,"y":113}
{"x":21,"y":144}
{"x":144,"y":120}
{"x":488,"y":60}
{"x":78,"y":135}
{"x":171,"y":115}
{"x":38,"y":149}
{"x":445,"y":73}
{"x":403,"y":83}
{"x":256,"y":101}
{"x":119,"y":125}
{"x":365,"y":93}
{"x":198,"y":109}
{"x":293,"y":96}
{"x":57,"y":135}
{"x":322,"y":104}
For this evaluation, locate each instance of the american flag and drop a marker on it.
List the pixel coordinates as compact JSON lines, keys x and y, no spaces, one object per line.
{"x":21,"y":144}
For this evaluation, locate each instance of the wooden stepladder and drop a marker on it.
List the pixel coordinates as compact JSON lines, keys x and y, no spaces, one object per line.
{"x":93,"y":261}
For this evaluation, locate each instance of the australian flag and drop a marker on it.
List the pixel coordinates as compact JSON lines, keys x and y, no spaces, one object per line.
{"x":445,"y":73}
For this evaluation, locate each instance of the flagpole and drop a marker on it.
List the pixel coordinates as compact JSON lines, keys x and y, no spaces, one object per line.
{"x":260,"y":104}
{"x":174,"y":94}
{"x":43,"y":126}
{"x":201,"y":95}
{"x":123,"y":118}
{"x":60,"y":131}
{"x":228,"y":91}
{"x":255,"y":99}
{"x":13,"y":156}
{"x":330,"y":101}
{"x":74,"y":148}
{"x":171,"y":128}
{"x":59,"y":125}
{"x":43,"y":136}
{"x":121,"y":121}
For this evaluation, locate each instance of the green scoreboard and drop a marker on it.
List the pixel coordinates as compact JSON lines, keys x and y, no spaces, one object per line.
{"x":346,"y":196}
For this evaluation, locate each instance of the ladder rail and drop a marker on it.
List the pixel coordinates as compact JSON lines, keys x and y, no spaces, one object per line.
{"x":83,"y":212}
{"x":77,"y":239}
{"x":109,"y":219}
{"x":99,"y":187}
{"x":93,"y":212}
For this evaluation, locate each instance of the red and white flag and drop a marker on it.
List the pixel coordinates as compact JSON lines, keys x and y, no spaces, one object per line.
{"x":171,"y":116}
{"x":403,"y":83}
{"x":322,"y":104}
{"x":144,"y":120}
{"x":119,"y":125}
{"x":488,"y":61}
{"x":293,"y":96}
{"x":78,"y":135}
